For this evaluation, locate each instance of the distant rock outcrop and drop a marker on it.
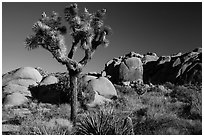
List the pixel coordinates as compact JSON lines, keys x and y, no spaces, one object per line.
{"x":150,"y":68}
{"x":181,"y":69}
{"x":149,"y":57}
{"x":125,"y":68}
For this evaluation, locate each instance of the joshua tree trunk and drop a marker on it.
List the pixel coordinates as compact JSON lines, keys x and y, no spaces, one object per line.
{"x":73,"y":88}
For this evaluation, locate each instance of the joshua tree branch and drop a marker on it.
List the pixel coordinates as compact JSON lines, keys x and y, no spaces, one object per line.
{"x":70,"y":63}
{"x":88,"y":55}
{"x":73,"y":49}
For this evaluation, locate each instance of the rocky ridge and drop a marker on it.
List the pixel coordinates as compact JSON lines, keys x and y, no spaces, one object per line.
{"x":149,"y":68}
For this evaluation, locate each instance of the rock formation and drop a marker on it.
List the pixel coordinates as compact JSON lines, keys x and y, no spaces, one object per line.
{"x":149,"y":68}
{"x":125,"y":68}
{"x":180,"y":69}
{"x":98,"y":90}
{"x":15,"y":85}
{"x":49,"y":80}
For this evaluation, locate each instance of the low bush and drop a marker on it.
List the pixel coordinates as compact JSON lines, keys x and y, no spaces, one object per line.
{"x":47,"y":121}
{"x":171,"y":109}
{"x":166,"y":125}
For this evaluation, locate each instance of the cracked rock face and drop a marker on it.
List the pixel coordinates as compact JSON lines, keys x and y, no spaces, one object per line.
{"x":22,"y":73}
{"x":149,"y":68}
{"x":124,"y":69}
{"x":98,"y":91}
{"x":180,"y":69}
{"x":131,"y":70}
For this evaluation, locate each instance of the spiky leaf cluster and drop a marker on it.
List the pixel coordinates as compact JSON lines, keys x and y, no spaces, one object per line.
{"x":48,"y":33}
{"x":103,"y":122}
{"x":87,"y":26}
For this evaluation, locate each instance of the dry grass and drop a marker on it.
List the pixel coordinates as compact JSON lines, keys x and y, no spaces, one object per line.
{"x":155,"y":112}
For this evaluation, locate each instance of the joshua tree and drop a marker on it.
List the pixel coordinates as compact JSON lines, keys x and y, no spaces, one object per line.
{"x":87,"y":30}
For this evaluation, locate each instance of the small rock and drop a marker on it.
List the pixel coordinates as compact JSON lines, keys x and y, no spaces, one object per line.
{"x":49,"y":80}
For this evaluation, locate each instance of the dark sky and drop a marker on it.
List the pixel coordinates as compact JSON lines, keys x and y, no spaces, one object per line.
{"x":163,"y":28}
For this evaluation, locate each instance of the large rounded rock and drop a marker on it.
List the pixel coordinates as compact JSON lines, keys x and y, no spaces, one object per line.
{"x":131,"y":69}
{"x":98,"y":100}
{"x":97,"y":91}
{"x":15,"y":84}
{"x":124,"y":69}
{"x":22,"y":82}
{"x":14,"y":99}
{"x":103,"y":87}
{"x":28,"y":73}
{"x":22,"y":73}
{"x":49,"y":80}
{"x":14,"y":88}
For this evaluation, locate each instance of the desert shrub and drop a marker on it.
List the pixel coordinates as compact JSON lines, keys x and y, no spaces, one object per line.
{"x":47,"y":119}
{"x":182,"y":94}
{"x":192,"y":98}
{"x":165,"y":125}
{"x":175,"y":112}
{"x":128,"y":102}
{"x":128,"y":99}
{"x":36,"y":126}
{"x":154,"y":98}
{"x":85,"y":93}
{"x":196,"y":104}
{"x":125,"y":89}
{"x":103,"y":122}
{"x":157,"y":105}
{"x":60,"y":88}
{"x":169,"y":85}
{"x":139,"y":87}
{"x":121,"y":102}
{"x":58,"y":111}
{"x":7,"y":113}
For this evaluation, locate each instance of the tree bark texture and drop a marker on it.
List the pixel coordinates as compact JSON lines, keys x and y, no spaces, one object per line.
{"x":73,"y":88}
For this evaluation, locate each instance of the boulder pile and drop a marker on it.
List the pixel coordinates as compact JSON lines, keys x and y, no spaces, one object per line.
{"x":179,"y":69}
{"x":25,"y":84}
{"x":150,"y":68}
{"x":15,"y":85}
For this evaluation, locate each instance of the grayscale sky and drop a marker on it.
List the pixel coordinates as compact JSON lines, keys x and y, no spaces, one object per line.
{"x":163,"y":28}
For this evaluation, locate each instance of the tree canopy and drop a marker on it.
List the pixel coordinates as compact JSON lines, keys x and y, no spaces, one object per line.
{"x":87,"y":30}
